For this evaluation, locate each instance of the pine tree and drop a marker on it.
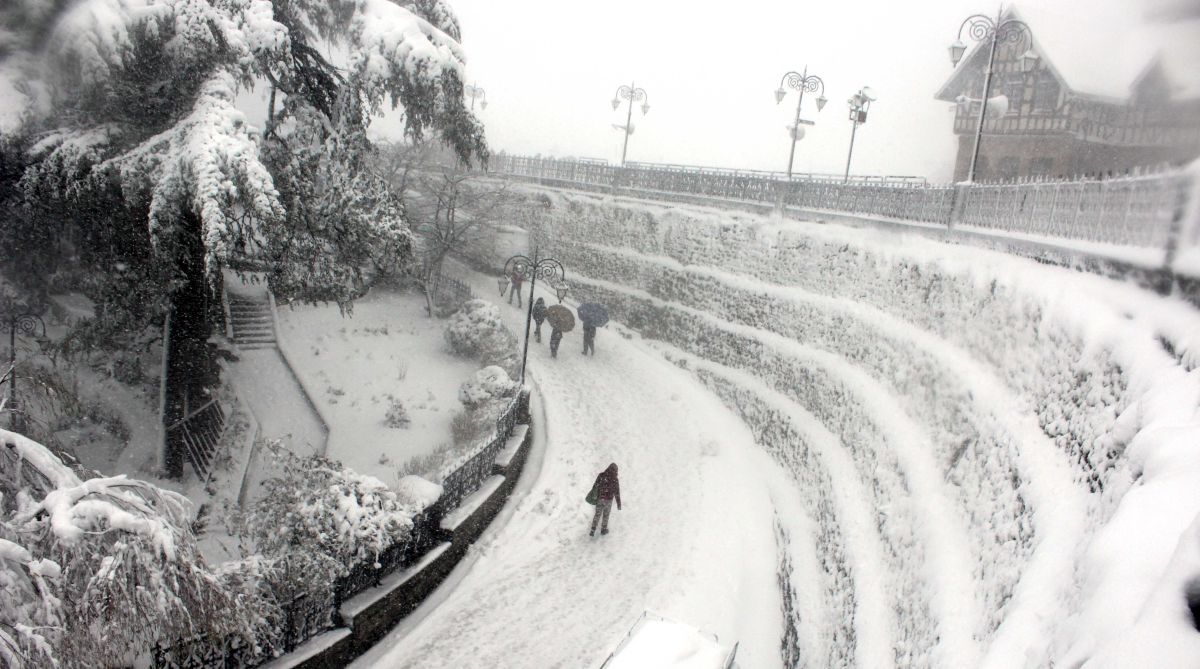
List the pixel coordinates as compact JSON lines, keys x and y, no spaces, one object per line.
{"x":131,"y":121}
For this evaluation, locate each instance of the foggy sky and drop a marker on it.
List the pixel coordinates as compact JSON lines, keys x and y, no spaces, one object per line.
{"x":550,"y":69}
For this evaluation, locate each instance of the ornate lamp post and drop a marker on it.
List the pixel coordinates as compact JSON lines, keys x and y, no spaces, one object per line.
{"x":859,"y":103}
{"x":475,"y":91}
{"x":633,"y":94}
{"x":25,"y":323}
{"x":994,"y":31}
{"x":532,"y":269}
{"x":800,"y":82}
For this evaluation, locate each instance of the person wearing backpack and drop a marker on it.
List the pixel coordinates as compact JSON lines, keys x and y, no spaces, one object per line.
{"x":606,"y":489}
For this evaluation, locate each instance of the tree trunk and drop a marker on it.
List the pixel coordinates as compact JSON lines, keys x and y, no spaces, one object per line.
{"x":188,"y":365}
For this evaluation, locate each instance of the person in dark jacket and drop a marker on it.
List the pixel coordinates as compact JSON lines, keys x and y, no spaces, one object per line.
{"x":517,"y":280}
{"x":555,"y":338}
{"x":608,"y":488}
{"x":539,"y":315}
{"x":589,"y":339}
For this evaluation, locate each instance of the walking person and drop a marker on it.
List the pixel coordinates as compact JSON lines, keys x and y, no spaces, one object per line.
{"x":539,"y":315}
{"x":589,"y":339}
{"x":517,"y":280}
{"x":606,"y":489}
{"x":555,"y":339}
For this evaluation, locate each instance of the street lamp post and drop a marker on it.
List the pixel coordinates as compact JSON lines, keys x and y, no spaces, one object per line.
{"x":859,"y":104}
{"x":532,"y":269}
{"x":25,"y":323}
{"x":800,"y":82}
{"x":633,"y":94}
{"x":994,"y":31}
{"x":475,"y":91}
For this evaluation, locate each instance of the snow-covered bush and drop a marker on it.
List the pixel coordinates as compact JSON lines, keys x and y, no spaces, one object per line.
{"x":484,"y":398}
{"x":477,"y":331}
{"x":319,"y":506}
{"x":490,"y":384}
{"x":397,"y":415}
{"x":99,"y":571}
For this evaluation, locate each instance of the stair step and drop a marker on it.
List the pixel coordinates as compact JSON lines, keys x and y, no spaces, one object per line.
{"x":254,"y":340}
{"x":251,"y":346}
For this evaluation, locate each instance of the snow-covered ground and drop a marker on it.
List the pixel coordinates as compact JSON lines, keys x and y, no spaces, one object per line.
{"x":359,"y":365}
{"x":695,"y":540}
{"x":970,"y":459}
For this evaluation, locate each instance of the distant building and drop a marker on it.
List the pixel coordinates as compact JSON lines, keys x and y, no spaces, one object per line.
{"x":1088,"y":107}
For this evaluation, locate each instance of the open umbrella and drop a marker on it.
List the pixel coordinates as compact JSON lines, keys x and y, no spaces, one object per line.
{"x":560,"y":318}
{"x":593,"y":314}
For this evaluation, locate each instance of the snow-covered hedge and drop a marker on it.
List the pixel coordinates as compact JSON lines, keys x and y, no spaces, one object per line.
{"x":996,"y":426}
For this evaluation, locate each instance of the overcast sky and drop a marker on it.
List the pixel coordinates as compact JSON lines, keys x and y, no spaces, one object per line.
{"x":550,"y":68}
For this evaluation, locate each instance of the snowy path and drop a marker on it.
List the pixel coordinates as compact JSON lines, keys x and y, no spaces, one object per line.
{"x":268,"y":388}
{"x":695,"y":540}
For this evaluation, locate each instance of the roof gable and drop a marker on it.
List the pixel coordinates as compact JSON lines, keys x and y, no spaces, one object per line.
{"x":1097,"y":55}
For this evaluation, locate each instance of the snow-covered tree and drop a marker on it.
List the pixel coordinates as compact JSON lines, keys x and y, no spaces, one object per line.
{"x":96,"y":572}
{"x":131,"y":119}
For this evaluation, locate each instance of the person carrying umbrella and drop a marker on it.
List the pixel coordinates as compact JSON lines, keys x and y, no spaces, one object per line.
{"x":561,"y":320}
{"x":555,"y":339}
{"x":589,"y":338}
{"x":539,"y":315}
{"x":606,"y":489}
{"x":593,"y":316}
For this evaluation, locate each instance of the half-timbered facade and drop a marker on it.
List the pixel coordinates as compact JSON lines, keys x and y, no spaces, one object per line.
{"x":1041,"y":122}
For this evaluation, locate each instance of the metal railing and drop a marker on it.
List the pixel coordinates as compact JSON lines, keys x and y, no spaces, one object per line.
{"x":465,"y":475}
{"x":307,"y":614}
{"x":199,"y":432}
{"x":449,"y":289}
{"x":1133,"y":210}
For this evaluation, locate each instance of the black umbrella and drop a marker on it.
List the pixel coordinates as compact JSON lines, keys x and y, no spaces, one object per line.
{"x":593,"y":314}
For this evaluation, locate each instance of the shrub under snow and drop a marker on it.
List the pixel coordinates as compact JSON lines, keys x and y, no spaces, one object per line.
{"x":477,"y":331}
{"x":317,"y":505}
{"x":490,"y":383}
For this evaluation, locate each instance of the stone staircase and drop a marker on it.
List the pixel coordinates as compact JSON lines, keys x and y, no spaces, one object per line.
{"x":251,"y":321}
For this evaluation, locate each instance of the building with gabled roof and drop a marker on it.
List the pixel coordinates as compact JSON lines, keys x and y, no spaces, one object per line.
{"x":1102,"y":99}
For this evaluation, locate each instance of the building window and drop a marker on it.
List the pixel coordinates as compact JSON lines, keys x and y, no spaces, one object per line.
{"x":1014,"y":90}
{"x":1045,"y":95}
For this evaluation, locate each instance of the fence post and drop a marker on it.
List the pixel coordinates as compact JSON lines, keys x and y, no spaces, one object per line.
{"x":958,"y":204}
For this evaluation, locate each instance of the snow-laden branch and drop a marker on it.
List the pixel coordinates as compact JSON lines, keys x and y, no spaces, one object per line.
{"x":207,"y":163}
{"x":394,"y":47}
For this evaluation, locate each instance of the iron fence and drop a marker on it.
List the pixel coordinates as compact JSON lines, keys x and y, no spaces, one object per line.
{"x":449,"y":289}
{"x":1132,"y":210}
{"x":307,"y":613}
{"x":198,"y":433}
{"x":465,"y":475}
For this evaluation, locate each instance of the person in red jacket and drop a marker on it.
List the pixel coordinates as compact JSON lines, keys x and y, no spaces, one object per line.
{"x":608,"y":488}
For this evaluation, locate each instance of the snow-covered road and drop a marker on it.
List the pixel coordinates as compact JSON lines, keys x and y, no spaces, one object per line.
{"x":695,"y":540}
